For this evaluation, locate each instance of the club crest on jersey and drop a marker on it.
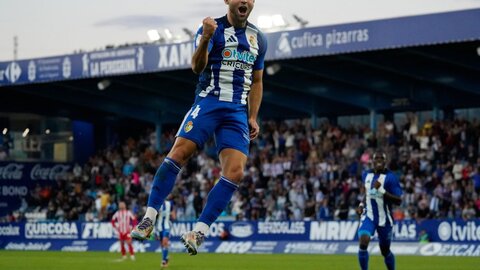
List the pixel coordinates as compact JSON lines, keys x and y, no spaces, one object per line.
{"x":252,"y":40}
{"x":188,"y":126}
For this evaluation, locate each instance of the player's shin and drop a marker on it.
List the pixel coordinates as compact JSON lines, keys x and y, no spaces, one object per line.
{"x":130,"y":249}
{"x":122,"y":248}
{"x":390,"y":261}
{"x":164,"y":253}
{"x":363,"y":258}
{"x":217,"y":200}
{"x":163,"y":183}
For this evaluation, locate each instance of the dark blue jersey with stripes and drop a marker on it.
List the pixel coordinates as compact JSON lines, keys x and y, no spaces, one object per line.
{"x":377,"y":209}
{"x":234,"y":53}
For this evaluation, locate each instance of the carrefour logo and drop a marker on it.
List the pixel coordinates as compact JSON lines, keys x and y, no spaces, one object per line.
{"x":13,"y":72}
{"x":245,"y":56}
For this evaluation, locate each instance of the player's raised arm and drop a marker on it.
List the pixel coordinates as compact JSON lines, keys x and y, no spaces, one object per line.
{"x":202,"y":43}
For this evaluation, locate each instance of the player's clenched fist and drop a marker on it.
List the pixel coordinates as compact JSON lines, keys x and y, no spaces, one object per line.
{"x":209,"y":27}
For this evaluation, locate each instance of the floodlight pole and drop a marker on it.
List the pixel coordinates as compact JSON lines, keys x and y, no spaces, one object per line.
{"x":373,"y":120}
{"x":436,"y":113}
{"x":15,"y":47}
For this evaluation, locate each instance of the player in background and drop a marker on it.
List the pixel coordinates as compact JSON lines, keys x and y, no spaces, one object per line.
{"x":382,"y":190}
{"x":163,"y":228}
{"x":123,"y":221}
{"x":229,"y":57}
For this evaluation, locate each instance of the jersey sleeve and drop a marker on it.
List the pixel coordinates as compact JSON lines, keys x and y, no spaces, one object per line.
{"x":262,"y":50}
{"x":392,"y":185}
{"x":198,"y":36}
{"x":364,"y":175}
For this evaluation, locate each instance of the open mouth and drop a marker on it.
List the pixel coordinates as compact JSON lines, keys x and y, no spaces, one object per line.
{"x":243,"y":10}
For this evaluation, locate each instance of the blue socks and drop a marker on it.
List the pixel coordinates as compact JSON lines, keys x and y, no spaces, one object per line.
{"x":163,"y":182}
{"x":390,"y":261}
{"x":363,"y":258}
{"x":164,"y":254}
{"x":218,"y":199}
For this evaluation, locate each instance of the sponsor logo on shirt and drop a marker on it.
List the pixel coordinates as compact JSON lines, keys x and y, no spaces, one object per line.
{"x":233,"y":54}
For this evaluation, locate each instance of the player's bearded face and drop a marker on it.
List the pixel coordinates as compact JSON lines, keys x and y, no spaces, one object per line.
{"x":240,"y":8}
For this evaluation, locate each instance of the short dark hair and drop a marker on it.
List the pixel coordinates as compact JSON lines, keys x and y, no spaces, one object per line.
{"x":380,"y":153}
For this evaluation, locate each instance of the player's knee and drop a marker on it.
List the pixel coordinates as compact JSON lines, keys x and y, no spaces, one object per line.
{"x":182,"y":150}
{"x":165,"y":243}
{"x":364,"y":241}
{"x":179,"y":155}
{"x":234,"y":174}
{"x":385,"y":251}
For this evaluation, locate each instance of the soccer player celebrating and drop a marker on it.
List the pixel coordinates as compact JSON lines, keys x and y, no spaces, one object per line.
{"x":382,"y":190}
{"x":229,"y":55}
{"x":123,"y":221}
{"x":163,"y":229}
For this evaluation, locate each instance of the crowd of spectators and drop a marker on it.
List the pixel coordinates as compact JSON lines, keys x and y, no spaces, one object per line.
{"x":294,"y":172}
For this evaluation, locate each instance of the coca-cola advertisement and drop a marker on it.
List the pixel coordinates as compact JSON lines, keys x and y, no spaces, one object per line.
{"x":18,"y":179}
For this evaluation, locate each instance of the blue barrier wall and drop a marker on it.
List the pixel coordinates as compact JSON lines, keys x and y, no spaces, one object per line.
{"x":447,"y":237}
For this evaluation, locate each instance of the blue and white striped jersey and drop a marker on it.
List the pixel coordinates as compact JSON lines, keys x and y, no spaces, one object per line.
{"x":377,"y":209}
{"x":163,"y":220}
{"x":234,"y":53}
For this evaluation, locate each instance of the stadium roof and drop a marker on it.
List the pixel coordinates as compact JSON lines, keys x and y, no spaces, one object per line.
{"x":408,"y":63}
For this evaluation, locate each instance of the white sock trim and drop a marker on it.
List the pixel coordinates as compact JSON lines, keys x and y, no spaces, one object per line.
{"x":151,"y":213}
{"x":201,"y":227}
{"x":228,"y":181}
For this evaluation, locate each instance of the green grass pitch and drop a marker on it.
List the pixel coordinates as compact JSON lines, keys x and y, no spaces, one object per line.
{"x":39,"y":260}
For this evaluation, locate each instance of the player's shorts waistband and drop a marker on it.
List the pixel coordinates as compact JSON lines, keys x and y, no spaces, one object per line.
{"x":216,"y":98}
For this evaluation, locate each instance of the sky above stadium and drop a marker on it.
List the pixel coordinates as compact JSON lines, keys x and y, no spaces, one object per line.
{"x":55,"y":27}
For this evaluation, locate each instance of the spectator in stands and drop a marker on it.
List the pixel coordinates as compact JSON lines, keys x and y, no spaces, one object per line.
{"x":3,"y":153}
{"x":436,"y":185}
{"x":468,"y":211}
{"x":476,"y":180}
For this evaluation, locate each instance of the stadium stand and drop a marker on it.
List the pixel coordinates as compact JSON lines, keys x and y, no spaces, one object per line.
{"x":296,"y":172}
{"x":351,"y":89}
